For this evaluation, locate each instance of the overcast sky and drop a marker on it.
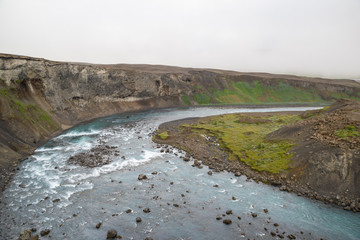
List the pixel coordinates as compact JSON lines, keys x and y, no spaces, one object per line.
{"x":304,"y":37}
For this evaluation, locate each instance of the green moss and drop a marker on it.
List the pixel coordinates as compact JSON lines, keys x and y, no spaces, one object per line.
{"x":25,"y":112}
{"x":348,"y":131}
{"x":257,"y":92}
{"x":246,"y":141}
{"x":186,"y":100}
{"x":202,"y":98}
{"x":163,"y":135}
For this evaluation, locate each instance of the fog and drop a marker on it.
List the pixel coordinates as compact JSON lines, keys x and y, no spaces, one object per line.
{"x":303,"y":37}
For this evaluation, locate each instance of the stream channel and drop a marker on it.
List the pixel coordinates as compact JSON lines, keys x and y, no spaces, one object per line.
{"x":182,"y":199}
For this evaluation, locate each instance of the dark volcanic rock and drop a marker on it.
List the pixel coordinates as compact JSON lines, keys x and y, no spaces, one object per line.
{"x":111,"y":234}
{"x":98,"y":225}
{"x":227,"y":221}
{"x":45,"y":232}
{"x":142,"y":177}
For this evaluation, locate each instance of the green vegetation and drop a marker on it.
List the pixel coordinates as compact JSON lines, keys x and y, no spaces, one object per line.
{"x":186,"y":100}
{"x":348,"y":131}
{"x":163,"y":135}
{"x":26,"y":112}
{"x":257,"y":92}
{"x":244,"y":138}
{"x":202,"y":98}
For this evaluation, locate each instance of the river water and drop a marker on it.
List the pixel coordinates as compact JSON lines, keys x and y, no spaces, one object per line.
{"x":184,"y":201}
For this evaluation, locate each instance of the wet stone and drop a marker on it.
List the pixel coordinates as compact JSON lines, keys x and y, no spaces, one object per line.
{"x":98,"y":225}
{"x":45,"y":232}
{"x":138,"y":219}
{"x":146,"y":210}
{"x":228,"y":212}
{"x":227,"y":221}
{"x":111,"y":234}
{"x":142,"y":177}
{"x":254,"y":215}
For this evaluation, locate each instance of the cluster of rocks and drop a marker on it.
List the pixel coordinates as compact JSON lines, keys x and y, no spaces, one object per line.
{"x":95,"y":157}
{"x":27,"y":234}
{"x":326,"y":127}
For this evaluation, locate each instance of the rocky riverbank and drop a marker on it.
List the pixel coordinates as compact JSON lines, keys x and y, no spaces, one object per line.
{"x":324,"y":157}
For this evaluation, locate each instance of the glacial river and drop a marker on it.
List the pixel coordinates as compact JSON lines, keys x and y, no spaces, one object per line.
{"x":184,"y":201}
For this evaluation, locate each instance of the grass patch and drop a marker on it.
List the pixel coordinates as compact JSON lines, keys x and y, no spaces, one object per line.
{"x":257,"y":92}
{"x":202,"y":98}
{"x":246,"y":141}
{"x":186,"y":100}
{"x":348,"y":131}
{"x":163,"y":135}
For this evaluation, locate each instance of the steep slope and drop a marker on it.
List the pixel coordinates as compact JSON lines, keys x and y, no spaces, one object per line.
{"x":39,"y":97}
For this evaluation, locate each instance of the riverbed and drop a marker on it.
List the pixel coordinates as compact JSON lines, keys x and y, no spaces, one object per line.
{"x":184,"y":202}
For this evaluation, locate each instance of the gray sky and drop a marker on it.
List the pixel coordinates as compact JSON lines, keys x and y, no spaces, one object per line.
{"x":304,"y":37}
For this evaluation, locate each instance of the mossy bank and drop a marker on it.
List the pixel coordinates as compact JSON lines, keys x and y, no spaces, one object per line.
{"x":315,"y":153}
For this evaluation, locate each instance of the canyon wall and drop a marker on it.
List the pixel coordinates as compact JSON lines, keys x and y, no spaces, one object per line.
{"x":40,"y":98}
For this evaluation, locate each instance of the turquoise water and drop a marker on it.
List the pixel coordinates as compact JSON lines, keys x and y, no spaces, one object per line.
{"x":103,"y":194}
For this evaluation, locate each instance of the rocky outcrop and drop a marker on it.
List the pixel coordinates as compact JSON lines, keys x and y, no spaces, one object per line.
{"x":40,"y":98}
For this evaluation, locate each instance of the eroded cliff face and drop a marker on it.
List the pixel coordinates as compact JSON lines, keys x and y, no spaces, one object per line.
{"x":39,"y":98}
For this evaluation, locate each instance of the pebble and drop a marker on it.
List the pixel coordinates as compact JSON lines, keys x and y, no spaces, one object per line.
{"x":228,"y":212}
{"x":128,"y":211}
{"x":98,"y":225}
{"x":210,"y":173}
{"x":146,"y":210}
{"x":266,"y":211}
{"x":254,"y":215}
{"x":138,"y":219}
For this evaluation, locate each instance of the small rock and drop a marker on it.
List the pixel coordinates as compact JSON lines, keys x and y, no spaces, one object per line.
{"x":218,"y":218}
{"x":146,"y":210}
{"x":233,"y":198}
{"x":266,"y":211}
{"x":290,"y":236}
{"x":273,"y":234}
{"x":128,"y":211}
{"x":216,"y":185}
{"x":45,"y":232}
{"x":228,"y":212}
{"x":56,"y":200}
{"x":176,"y":205}
{"x":25,"y":235}
{"x":210,"y":173}
{"x":276,"y":224}
{"x":186,"y":159}
{"x":227,"y":221}
{"x":142,"y":177}
{"x":33,"y":229}
{"x":148,"y":238}
{"x":111,"y":234}
{"x":138,"y":219}
{"x":237,"y":174}
{"x":154,"y":173}
{"x":98,"y":225}
{"x":254,"y":215}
